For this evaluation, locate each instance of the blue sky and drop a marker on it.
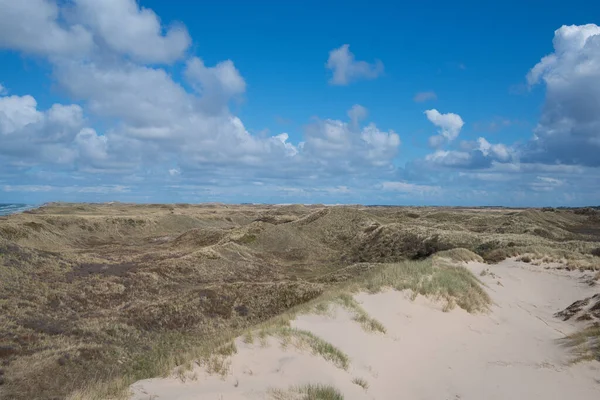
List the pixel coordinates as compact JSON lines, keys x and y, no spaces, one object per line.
{"x":426,"y":103}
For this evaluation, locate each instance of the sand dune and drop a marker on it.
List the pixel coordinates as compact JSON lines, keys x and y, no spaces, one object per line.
{"x":512,"y":352}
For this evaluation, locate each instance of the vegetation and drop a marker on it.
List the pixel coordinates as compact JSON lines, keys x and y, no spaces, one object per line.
{"x":586,"y":343}
{"x":361,"y":382}
{"x":455,"y":285}
{"x":308,"y":392}
{"x":360,"y":315}
{"x":95,"y":297}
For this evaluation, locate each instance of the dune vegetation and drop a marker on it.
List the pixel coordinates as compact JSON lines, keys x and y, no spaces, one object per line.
{"x":94,"y":297}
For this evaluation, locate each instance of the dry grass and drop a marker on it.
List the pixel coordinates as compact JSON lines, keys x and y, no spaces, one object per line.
{"x":585,"y":344}
{"x":308,"y":392}
{"x":94,"y":297}
{"x":368,"y":323}
{"x":301,"y":338}
{"x":361,"y":382}
{"x":454,"y":284}
{"x":459,"y":255}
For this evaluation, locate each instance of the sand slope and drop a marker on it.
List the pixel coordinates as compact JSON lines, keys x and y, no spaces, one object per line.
{"x":510,"y":353}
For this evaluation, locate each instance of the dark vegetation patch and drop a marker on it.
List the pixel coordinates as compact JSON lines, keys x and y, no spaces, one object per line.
{"x":87,"y":269}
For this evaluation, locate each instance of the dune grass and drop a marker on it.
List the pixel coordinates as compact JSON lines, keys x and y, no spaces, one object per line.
{"x":543,"y":253}
{"x":361,"y":316}
{"x":318,"y":346}
{"x":361,"y":382}
{"x":585,"y":344}
{"x":454,"y":284}
{"x":460,"y":255}
{"x":311,"y":391}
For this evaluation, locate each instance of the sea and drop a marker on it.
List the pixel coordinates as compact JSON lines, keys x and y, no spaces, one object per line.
{"x":11,"y":208}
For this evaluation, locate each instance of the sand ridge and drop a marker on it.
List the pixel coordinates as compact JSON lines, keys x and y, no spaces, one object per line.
{"x":512,"y":352}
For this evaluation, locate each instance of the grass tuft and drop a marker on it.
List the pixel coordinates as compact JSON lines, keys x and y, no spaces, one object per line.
{"x":361,"y":382}
{"x":361,"y":316}
{"x":309,"y":391}
{"x":585,"y":344}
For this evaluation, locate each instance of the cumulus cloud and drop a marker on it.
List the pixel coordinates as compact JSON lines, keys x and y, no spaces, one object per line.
{"x":28,"y":135}
{"x":346,"y":145}
{"x":449,"y":126}
{"x":34,"y":26}
{"x":479,"y":154}
{"x":17,"y":112}
{"x":568,"y":131}
{"x":422,"y":97}
{"x":357,"y":113}
{"x":127,"y":28}
{"x":217,"y":84}
{"x":497,"y":151}
{"x":347,"y":69}
{"x":42,"y":27}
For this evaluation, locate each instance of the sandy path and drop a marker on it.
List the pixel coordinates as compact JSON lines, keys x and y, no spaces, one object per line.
{"x":510,"y":353}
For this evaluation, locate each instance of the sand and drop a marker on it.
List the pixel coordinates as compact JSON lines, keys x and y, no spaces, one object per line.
{"x":512,"y":352}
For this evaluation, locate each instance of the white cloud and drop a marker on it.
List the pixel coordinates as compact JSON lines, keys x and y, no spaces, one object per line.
{"x":552,"y":181}
{"x":18,"y":112}
{"x":347,"y":145}
{"x":82,"y":27}
{"x":410,"y":188}
{"x":347,"y":69}
{"x":357,"y":113}
{"x":449,"y":158}
{"x":28,"y":135}
{"x":174,"y":172}
{"x":479,"y":154}
{"x":546,"y":184}
{"x":290,"y":149}
{"x":449,"y":127}
{"x":3,"y":90}
{"x":568,"y":131}
{"x":499,"y":150}
{"x":217,"y":84}
{"x":32,"y":26}
{"x":421,"y":97}
{"x":127,"y":28}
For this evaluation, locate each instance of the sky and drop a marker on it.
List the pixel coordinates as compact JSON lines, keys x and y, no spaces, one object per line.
{"x":420,"y":103}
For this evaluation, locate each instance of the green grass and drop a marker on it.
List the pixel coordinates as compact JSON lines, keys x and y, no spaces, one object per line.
{"x":361,"y":316}
{"x":451,"y":283}
{"x":309,"y":391}
{"x":320,"y":392}
{"x":319,"y":346}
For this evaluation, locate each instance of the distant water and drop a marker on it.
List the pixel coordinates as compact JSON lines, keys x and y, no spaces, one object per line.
{"x":12,"y":208}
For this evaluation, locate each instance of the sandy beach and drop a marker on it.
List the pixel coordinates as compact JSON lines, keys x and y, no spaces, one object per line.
{"x":511,"y":352}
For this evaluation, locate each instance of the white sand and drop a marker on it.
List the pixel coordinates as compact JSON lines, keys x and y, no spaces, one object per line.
{"x":509,"y":353}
